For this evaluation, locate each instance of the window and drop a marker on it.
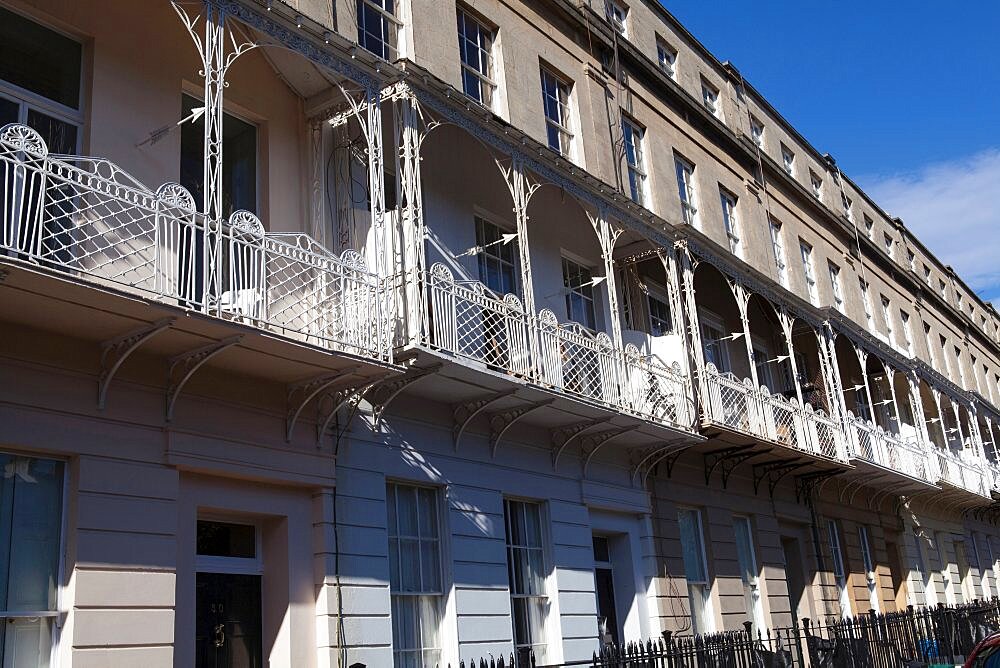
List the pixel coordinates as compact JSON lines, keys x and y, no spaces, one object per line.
{"x":239,"y":159}
{"x":497,"y":259}
{"x":40,"y":81}
{"x":686,"y":190}
{"x":838,"y":295}
{"x":839,"y":572}
{"x":869,"y":565}
{"x":616,"y":14}
{"x":555,"y":99}
{"x":911,"y":260}
{"x":846,"y":202}
{"x":960,"y":367}
{"x":869,"y":224}
{"x":757,"y":131}
{"x":696,"y":570}
{"x":713,"y":346}
{"x":817,"y":184}
{"x":930,"y":597}
{"x":778,"y":247}
{"x":526,"y":573}
{"x":889,"y":245}
{"x":710,"y":97}
{"x":475,"y":46}
{"x":414,"y":574}
{"x":927,"y":274}
{"x":944,"y":354}
{"x":378,"y":27}
{"x":748,"y":571}
{"x":31,"y":500}
{"x":660,"y":322}
{"x":943,"y":289}
{"x":788,"y":160}
{"x":907,"y":332}
{"x":807,"y":269}
{"x":887,"y":317}
{"x":579,"y":284}
{"x":866,"y":300}
{"x":930,"y":346}
{"x":635,"y":159}
{"x":730,"y":221}
{"x":666,"y":56}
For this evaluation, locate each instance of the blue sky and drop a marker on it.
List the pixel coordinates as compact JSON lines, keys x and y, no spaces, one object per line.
{"x":904,"y":94}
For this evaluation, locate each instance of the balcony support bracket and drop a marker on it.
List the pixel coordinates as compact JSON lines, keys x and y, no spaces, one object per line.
{"x":774,"y":472}
{"x":300,"y":394}
{"x":652,"y":456}
{"x":502,"y":421}
{"x":591,"y":443}
{"x":807,"y":484}
{"x":183,"y":366}
{"x":563,"y":436}
{"x":467,"y":412}
{"x":381,"y":394}
{"x":733,"y":456}
{"x":115,"y":351}
{"x":337,"y":396}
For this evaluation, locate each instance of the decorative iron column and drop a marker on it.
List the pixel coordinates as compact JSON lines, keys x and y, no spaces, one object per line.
{"x":918,"y":410}
{"x":890,"y":375}
{"x":787,"y":322}
{"x":606,"y":237}
{"x":828,"y":351}
{"x":521,"y":189}
{"x":742,"y":296}
{"x":863,"y":361}
{"x":408,"y":140}
{"x":690,"y":313}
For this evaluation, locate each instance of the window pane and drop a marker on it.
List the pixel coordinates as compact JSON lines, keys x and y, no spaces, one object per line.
{"x":40,"y":60}
{"x":691,"y":546}
{"x":8,"y":111}
{"x":222,"y":539}
{"x":59,"y":136}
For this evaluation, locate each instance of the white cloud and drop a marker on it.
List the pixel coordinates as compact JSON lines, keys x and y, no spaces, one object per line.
{"x":953,"y":209}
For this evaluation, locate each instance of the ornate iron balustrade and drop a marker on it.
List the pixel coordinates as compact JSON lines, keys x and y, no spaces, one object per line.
{"x":955,"y":470}
{"x":465,"y":319}
{"x":87,"y":217}
{"x":871,"y":443}
{"x":740,"y":406}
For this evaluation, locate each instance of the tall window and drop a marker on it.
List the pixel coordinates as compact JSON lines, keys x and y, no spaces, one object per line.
{"x":887,"y":317}
{"x":378,"y":27}
{"x":869,"y":223}
{"x":871,"y":576}
{"x":866,"y":300}
{"x":579,"y":284}
{"x":617,"y":13}
{"x":526,"y":573}
{"x":848,"y":206}
{"x":686,"y":190}
{"x":944,"y":354}
{"x":660,"y":322}
{"x":788,"y":160}
{"x":666,"y":56}
{"x":757,"y":131}
{"x":919,"y":565}
{"x":927,"y":274}
{"x":497,"y":260}
{"x":809,"y":271}
{"x":928,"y":339}
{"x":414,"y":575}
{"x":696,"y":570}
{"x":889,"y":245}
{"x":943,"y":289}
{"x":40,"y":74}
{"x":816,"y":183}
{"x":838,"y":294}
{"x":713,"y":346}
{"x":904,"y":317}
{"x":635,"y":160}
{"x":960,"y":367}
{"x":30,"y":535}
{"x":911,"y":259}
{"x":839,"y":572}
{"x":778,"y":247}
{"x":555,"y":100}
{"x":475,"y":46}
{"x":710,"y":97}
{"x":748,"y":571}
{"x":730,"y":221}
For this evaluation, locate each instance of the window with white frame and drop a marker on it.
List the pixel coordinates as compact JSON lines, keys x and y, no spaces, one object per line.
{"x":578,"y":281}
{"x":496,"y":259}
{"x":869,"y":224}
{"x":943,"y":289}
{"x":927,"y":274}
{"x":41,"y":81}
{"x":378,"y":27}
{"x":889,"y":244}
{"x":928,"y":341}
{"x":847,"y":205}
{"x":778,"y":248}
{"x":887,"y":317}
{"x":526,"y":574}
{"x":816,"y":183}
{"x":960,"y":367}
{"x":635,"y":160}
{"x":475,"y":47}
{"x":666,"y":56}
{"x":555,"y":100}
{"x":919,"y":565}
{"x":904,"y":317}
{"x":710,"y":98}
{"x":839,"y":572}
{"x":617,"y":15}
{"x":714,"y":346}
{"x":911,"y":259}
{"x":660,"y":321}
{"x":696,"y":570}
{"x":871,"y":577}
{"x":946,"y":366}
{"x":731,"y":221}
{"x":686,"y":190}
{"x":838,"y":294}
{"x":414,"y":574}
{"x":866,"y":300}
{"x":31,"y":503}
{"x":788,"y":160}
{"x":757,"y":131}
{"x":809,"y":271}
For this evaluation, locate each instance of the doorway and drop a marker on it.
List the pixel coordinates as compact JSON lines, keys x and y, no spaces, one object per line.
{"x":604,"y":581}
{"x":792,"y":554}
{"x":228,"y":596}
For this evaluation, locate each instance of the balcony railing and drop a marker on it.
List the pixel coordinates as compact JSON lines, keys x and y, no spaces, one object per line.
{"x":871,"y":443}
{"x":960,"y":472}
{"x":740,"y":406}
{"x":465,"y":319}
{"x":87,"y":217}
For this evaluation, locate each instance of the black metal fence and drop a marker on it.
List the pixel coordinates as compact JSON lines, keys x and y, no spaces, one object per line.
{"x":910,"y":638}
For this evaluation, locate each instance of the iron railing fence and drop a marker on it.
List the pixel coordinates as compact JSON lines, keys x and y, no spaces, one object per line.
{"x":871,"y":443}
{"x":87,"y":217}
{"x":911,"y":637}
{"x":467,"y":320}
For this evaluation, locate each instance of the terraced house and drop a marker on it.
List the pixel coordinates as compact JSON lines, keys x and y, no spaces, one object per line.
{"x":398,"y":333}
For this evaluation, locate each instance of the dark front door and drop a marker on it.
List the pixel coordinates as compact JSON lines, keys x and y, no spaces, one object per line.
{"x":228,"y":621}
{"x":604,"y":579}
{"x":793,"y":573}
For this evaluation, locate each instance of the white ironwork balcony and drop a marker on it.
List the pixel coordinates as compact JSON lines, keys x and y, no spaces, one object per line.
{"x":739,"y":406}
{"x":465,"y":319}
{"x":88,"y":218}
{"x":871,"y":443}
{"x":959,"y":472}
